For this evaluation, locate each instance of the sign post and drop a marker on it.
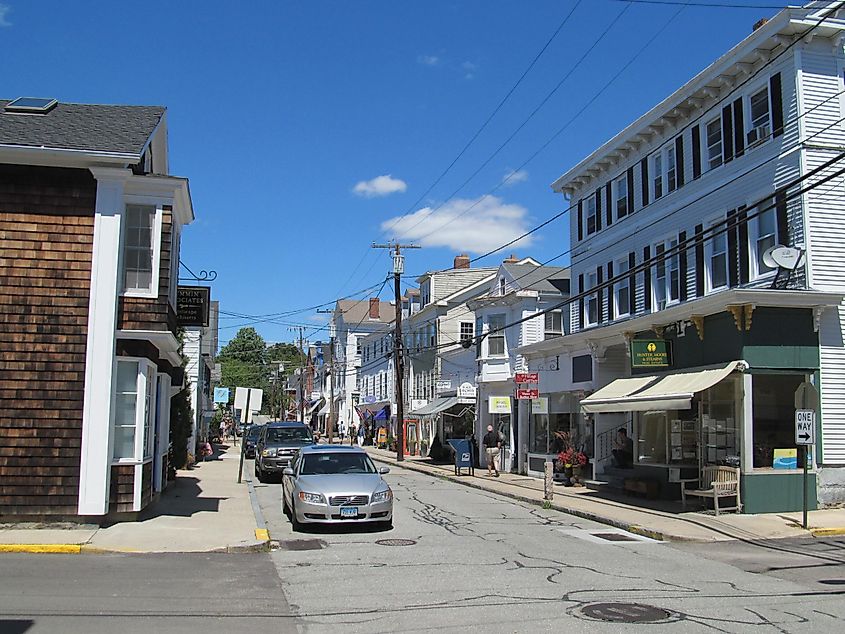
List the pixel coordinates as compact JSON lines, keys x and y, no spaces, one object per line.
{"x":805,"y":435}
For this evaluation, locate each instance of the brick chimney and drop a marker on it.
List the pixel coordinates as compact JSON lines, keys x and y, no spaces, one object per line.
{"x":511,"y":260}
{"x":462,"y":261}
{"x":374,"y":308}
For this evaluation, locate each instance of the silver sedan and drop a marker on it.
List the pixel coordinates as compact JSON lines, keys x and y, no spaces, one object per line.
{"x":329,"y":484}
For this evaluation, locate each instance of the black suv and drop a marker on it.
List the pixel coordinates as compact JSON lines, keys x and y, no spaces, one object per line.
{"x":278,"y":445}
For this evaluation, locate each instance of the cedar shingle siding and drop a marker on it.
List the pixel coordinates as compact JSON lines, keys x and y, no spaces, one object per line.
{"x":46,"y":237}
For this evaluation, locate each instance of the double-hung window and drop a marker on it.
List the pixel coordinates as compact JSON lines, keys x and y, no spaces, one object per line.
{"x":466,"y":331}
{"x":671,"y":169}
{"x":553,"y":324}
{"x":591,"y":215}
{"x":496,"y":338}
{"x":717,"y":258}
{"x":622,"y":198}
{"x":591,"y":305}
{"x":674,"y":263}
{"x":657,"y":167}
{"x":667,"y":274}
{"x":763,"y":235}
{"x":760,"y":114}
{"x":134,"y":407}
{"x":660,"y":276}
{"x":139,"y":250}
{"x":622,"y":289}
{"x":714,"y":143}
{"x":479,"y":325}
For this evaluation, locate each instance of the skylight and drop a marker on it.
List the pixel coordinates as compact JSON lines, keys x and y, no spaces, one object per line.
{"x":37,"y":105}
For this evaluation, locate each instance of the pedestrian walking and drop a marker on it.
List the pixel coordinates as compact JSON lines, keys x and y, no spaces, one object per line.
{"x":362,"y":431}
{"x":341,"y":431}
{"x":492,"y":446}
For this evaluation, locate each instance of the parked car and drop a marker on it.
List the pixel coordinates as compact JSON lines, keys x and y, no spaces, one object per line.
{"x":251,"y":439}
{"x":277,"y":445}
{"x":331,"y":484}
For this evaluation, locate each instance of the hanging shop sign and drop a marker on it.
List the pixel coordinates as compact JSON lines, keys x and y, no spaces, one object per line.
{"x":651,"y":353}
{"x":526,"y":394}
{"x":192,"y":305}
{"x":466,"y":390}
{"x":540,"y":405}
{"x":443,"y":386}
{"x":221,"y":395}
{"x":527,"y":377}
{"x":499,"y":405}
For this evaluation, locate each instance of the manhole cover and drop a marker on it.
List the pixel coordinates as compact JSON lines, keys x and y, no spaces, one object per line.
{"x":302,"y":544}
{"x":625,"y":612}
{"x":395,"y":542}
{"x":615,"y":537}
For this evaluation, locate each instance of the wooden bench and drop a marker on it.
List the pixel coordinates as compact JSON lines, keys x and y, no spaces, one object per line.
{"x":720,"y":482}
{"x":648,"y":488}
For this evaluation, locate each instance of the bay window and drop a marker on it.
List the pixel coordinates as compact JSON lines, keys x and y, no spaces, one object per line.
{"x":139,"y":250}
{"x":134,"y":404}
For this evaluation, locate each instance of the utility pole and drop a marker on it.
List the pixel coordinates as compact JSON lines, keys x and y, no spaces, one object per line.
{"x":330,"y":423}
{"x":301,"y":381}
{"x":398,"y":360}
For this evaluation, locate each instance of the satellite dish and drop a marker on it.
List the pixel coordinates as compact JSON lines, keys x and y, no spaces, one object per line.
{"x":788,"y":258}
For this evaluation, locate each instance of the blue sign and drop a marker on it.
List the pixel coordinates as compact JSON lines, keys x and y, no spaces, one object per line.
{"x":221,"y":395}
{"x":369,"y":399}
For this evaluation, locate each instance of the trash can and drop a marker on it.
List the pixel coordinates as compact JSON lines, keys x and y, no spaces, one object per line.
{"x":463,"y":455}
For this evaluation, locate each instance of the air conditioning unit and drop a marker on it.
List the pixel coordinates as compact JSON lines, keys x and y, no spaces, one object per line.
{"x":758,"y":134}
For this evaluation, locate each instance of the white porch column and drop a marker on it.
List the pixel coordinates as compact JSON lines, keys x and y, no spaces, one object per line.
{"x":97,"y":412}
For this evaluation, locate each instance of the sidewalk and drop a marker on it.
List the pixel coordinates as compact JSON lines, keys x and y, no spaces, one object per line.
{"x":204,"y":510}
{"x":651,"y":522}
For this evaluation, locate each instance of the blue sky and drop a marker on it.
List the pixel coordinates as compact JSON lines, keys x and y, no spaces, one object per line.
{"x":308,"y":129}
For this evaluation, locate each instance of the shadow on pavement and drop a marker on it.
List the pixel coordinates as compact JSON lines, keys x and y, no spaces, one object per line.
{"x":15,"y":626}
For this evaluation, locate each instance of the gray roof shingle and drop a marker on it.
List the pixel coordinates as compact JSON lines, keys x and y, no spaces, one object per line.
{"x":101,"y":128}
{"x":546,"y":279}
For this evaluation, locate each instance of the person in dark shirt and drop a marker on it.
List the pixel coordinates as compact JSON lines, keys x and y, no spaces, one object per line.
{"x":492,"y":444}
{"x":623,"y":449}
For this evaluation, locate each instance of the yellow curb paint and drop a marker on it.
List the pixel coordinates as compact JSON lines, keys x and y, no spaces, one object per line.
{"x":262,"y":534}
{"x":69,"y":549}
{"x":827,"y":532}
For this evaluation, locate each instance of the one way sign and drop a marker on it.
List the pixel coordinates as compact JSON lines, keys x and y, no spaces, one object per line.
{"x":805,"y":427}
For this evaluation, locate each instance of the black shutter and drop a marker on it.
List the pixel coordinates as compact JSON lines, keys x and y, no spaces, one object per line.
{"x":742,"y":231}
{"x":739,"y":128}
{"x":609,"y":208}
{"x":644,"y":176}
{"x":682,"y":265}
{"x":610,"y":313}
{"x":632,"y":283}
{"x":630,"y":190}
{"x":696,"y":152}
{"x":647,"y":279}
{"x":580,"y":220}
{"x":699,"y":260}
{"x":777,"y":105}
{"x":679,"y":159}
{"x":727,"y":134}
{"x":733,"y":255}
{"x":782,"y":218}
{"x":598,"y":209}
{"x":600,"y":292}
{"x":580,"y":301}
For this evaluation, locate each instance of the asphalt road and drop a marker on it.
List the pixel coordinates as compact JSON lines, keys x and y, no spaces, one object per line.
{"x":478,"y":562}
{"x":471,"y":562}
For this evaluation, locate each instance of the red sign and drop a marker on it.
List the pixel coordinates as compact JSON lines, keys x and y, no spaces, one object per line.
{"x":527,"y":377}
{"x":530,"y":393}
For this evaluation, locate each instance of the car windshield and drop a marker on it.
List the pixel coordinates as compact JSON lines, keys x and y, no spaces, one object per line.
{"x":336,"y":463}
{"x":253,"y":433}
{"x":289,"y":434}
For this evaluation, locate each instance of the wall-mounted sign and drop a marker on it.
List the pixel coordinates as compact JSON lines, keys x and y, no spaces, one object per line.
{"x":527,"y":394}
{"x":499,"y":405}
{"x":466,"y":390}
{"x":315,"y":396}
{"x":540,"y":405}
{"x":651,"y":353}
{"x":443,"y":386}
{"x":221,"y":395}
{"x":192,"y":305}
{"x":527,"y":377}
{"x":418,"y":403}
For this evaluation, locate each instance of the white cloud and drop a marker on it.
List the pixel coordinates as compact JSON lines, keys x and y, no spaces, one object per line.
{"x":4,"y":11}
{"x":474,"y":225}
{"x":513,"y":177}
{"x":319,"y":318}
{"x":380,"y":186}
{"x":428,"y":60}
{"x":469,"y":69}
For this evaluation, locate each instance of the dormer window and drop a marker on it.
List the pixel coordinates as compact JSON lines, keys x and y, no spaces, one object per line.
{"x":502,"y":286}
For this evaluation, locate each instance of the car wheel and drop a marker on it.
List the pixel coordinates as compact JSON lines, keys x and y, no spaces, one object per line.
{"x":295,"y":523}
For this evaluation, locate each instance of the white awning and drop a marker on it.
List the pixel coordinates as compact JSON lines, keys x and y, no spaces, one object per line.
{"x":325,"y":410}
{"x":310,"y":409}
{"x":436,"y":406}
{"x":664,"y":392}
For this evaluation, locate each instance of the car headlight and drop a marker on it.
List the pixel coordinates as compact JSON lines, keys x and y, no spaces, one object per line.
{"x":268,"y":453}
{"x":312,"y":498}
{"x":383,"y":496}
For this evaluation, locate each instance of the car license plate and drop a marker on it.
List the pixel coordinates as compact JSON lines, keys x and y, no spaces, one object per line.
{"x":349,"y":511}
